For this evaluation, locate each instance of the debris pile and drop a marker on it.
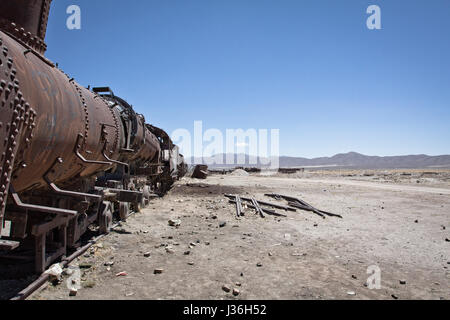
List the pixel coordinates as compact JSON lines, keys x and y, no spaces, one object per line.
{"x":293,"y":205}
{"x":302,"y":205}
{"x":200,"y":172}
{"x":255,"y":204}
{"x":249,"y":170}
{"x":240,"y":173}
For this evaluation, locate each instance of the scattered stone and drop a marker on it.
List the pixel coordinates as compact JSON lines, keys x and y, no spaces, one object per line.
{"x":394,"y":297}
{"x":417,"y":221}
{"x":259,"y":265}
{"x":238,"y":284}
{"x":174,"y":223}
{"x":207,"y":243}
{"x":121,"y":274}
{"x":236,"y":292}
{"x":55,"y":273}
{"x":354,"y":277}
{"x":447,"y":239}
{"x":108,"y":269}
{"x":193,"y":244}
{"x":186,"y":253}
{"x":158,"y":271}
{"x":67,"y":272}
{"x":109,"y":263}
{"x":402,"y":282}
{"x":73,"y":292}
{"x":351,"y":293}
{"x":85,"y":265}
{"x":270,"y":254}
{"x":226,"y":288}
{"x":170,"y":250}
{"x":191,"y":263}
{"x":222,"y":224}
{"x":147,"y":254}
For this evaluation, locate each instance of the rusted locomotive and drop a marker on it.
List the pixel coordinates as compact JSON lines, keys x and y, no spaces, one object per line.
{"x":71,"y":158}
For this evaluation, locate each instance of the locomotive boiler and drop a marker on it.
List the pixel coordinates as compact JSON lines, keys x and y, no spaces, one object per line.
{"x":71,"y":158}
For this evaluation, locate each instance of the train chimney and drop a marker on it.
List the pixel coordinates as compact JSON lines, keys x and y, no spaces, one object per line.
{"x":26,"y":21}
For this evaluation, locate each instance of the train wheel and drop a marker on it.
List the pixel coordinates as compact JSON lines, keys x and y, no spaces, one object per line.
{"x":124,"y":210}
{"x":105,"y":217}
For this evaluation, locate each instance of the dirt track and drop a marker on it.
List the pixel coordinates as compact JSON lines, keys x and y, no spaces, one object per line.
{"x":400,"y":228}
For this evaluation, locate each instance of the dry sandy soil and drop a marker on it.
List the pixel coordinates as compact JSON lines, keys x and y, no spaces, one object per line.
{"x":389,"y":220}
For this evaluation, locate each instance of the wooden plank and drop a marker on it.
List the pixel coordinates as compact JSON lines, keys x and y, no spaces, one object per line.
{"x":267,"y":211}
{"x":257,"y":207}
{"x":238,"y":206}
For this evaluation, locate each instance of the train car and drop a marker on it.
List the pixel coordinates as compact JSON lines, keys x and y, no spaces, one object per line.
{"x":72,"y":158}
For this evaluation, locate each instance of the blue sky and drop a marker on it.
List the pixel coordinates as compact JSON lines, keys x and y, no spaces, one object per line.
{"x":309,"y":68}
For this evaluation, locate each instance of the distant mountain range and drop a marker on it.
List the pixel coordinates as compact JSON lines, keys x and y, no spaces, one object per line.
{"x":347,"y":160}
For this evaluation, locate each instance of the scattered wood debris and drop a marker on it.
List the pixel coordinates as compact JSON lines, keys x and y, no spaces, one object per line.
{"x":300,"y":204}
{"x":256,"y":204}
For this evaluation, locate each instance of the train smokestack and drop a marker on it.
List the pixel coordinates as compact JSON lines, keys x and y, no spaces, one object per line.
{"x":26,"y":21}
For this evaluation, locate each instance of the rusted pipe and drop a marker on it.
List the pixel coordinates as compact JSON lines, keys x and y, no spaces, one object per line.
{"x":44,"y":209}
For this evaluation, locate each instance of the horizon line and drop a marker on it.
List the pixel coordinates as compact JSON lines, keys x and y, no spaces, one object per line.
{"x":317,"y":157}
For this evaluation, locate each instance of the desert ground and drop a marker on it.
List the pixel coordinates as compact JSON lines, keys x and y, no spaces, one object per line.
{"x":397,"y":221}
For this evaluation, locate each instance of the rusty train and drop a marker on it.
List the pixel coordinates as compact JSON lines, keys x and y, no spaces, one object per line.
{"x":72,"y":159}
